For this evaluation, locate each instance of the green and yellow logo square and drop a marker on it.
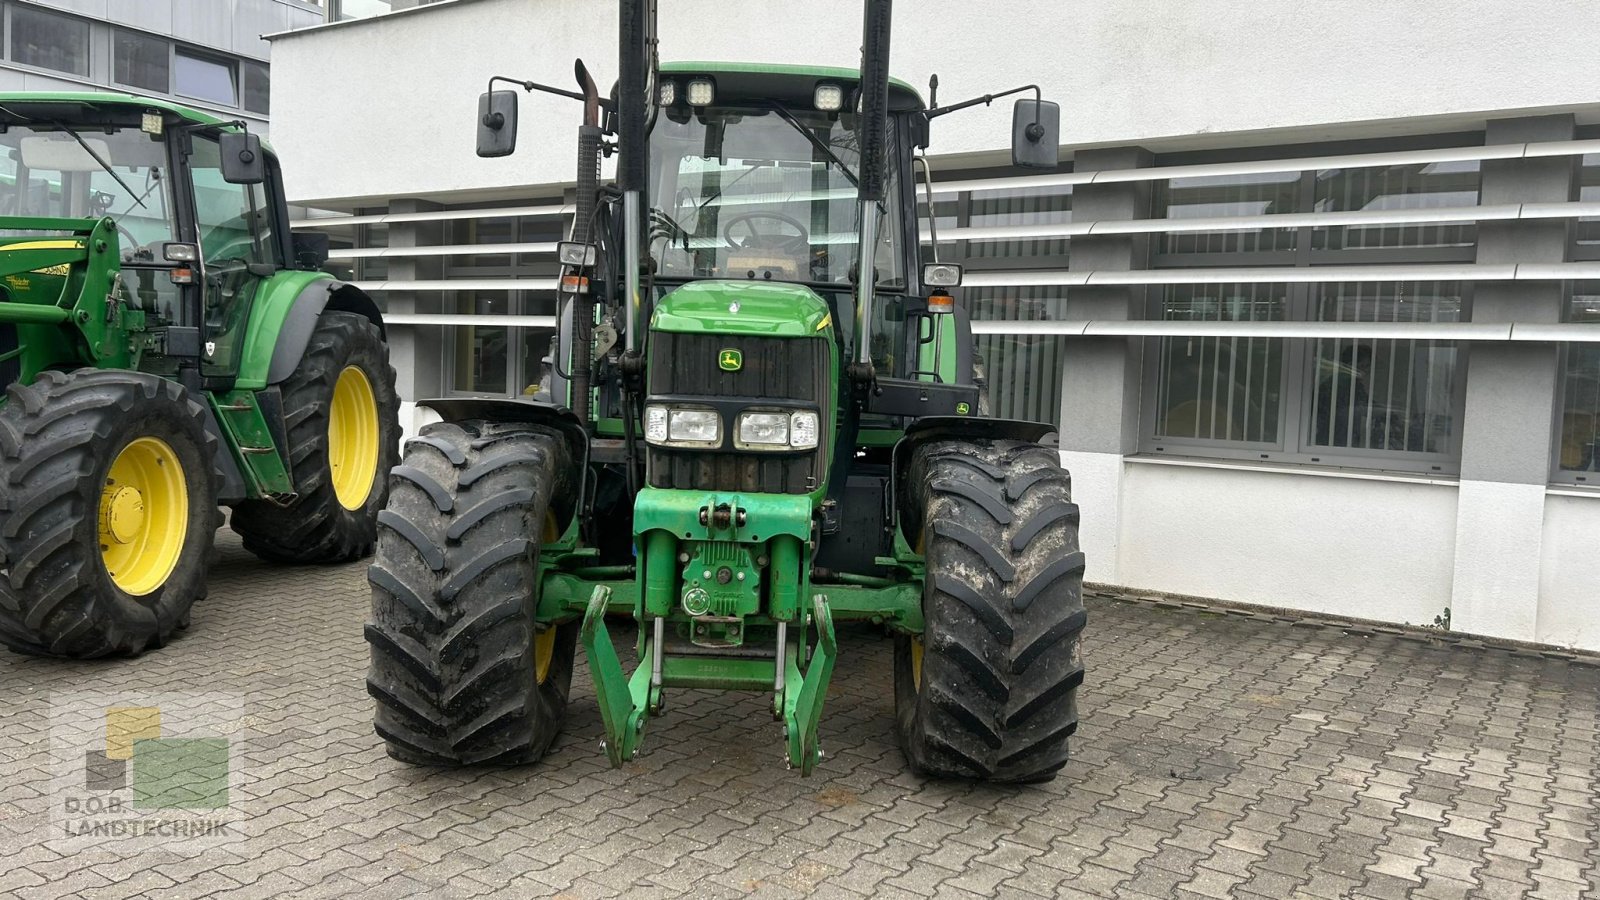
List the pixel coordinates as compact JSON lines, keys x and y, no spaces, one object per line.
{"x":730,"y":360}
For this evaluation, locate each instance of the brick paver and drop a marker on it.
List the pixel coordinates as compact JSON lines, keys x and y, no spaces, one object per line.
{"x":1220,"y":756}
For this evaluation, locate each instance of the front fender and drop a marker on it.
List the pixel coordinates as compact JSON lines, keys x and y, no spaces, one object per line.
{"x":283,"y":316}
{"x":940,"y":428}
{"x":532,"y":412}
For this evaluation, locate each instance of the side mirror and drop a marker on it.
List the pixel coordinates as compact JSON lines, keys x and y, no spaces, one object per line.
{"x":1036,"y":134}
{"x":310,"y":250}
{"x":497,"y":123}
{"x":242,"y":159}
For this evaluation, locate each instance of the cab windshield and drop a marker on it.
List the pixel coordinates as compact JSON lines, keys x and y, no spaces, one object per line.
{"x":89,"y":172}
{"x":765,"y":193}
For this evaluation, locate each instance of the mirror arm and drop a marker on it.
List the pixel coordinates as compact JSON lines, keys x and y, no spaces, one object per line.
{"x":986,"y":99}
{"x":531,"y":86}
{"x":927,"y":187}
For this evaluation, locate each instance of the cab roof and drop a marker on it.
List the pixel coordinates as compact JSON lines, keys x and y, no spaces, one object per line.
{"x":737,"y":80}
{"x":108,"y":100}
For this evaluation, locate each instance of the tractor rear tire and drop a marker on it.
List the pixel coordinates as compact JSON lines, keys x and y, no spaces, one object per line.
{"x":108,"y":512}
{"x":989,"y":690}
{"x":340,"y":399}
{"x":461,"y":671}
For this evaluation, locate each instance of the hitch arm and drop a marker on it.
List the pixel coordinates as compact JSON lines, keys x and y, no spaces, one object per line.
{"x":623,"y":701}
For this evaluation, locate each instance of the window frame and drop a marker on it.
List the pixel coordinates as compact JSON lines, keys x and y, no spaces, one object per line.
{"x":1564,"y":361}
{"x":231,"y":64}
{"x":171,"y":48}
{"x":8,"y":34}
{"x":520,"y":372}
{"x":1046,"y":352}
{"x":1299,"y":358}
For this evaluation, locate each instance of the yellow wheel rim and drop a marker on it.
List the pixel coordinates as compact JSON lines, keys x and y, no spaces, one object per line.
{"x":544,"y":653}
{"x":144,"y":516}
{"x":353,"y":438}
{"x":544,"y":642}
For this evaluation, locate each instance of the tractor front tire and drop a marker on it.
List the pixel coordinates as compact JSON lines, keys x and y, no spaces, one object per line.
{"x":461,"y":671}
{"x":344,"y":433}
{"x":108,"y":512}
{"x":989,"y":689}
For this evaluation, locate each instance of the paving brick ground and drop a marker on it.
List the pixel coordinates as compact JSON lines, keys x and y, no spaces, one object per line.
{"x":1220,"y":756}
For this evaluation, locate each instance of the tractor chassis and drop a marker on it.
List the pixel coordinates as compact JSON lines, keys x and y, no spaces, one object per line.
{"x":797,"y":670}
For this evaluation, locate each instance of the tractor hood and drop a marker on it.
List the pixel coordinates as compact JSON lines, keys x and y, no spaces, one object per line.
{"x":771,"y":309}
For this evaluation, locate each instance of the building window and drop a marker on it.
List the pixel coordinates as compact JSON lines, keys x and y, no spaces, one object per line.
{"x":49,"y":41}
{"x":1578,"y":456}
{"x":497,"y":359}
{"x":1341,"y":400}
{"x":204,"y":78}
{"x":1216,"y":388}
{"x":255,"y":88}
{"x":140,"y":61}
{"x":1021,"y":372}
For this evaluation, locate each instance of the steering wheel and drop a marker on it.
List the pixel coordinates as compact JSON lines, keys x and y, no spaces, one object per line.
{"x":767,"y":240}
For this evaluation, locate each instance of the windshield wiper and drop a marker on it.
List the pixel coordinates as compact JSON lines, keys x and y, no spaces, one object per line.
{"x":816,"y":142}
{"x":103,"y":164}
{"x":86,"y":148}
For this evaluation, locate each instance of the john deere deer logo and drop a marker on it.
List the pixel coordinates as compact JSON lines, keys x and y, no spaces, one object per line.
{"x":730,"y":360}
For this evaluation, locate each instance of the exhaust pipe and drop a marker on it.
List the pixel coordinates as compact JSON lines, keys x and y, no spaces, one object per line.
{"x":636,"y":21}
{"x":874,"y":135}
{"x":582,"y":365}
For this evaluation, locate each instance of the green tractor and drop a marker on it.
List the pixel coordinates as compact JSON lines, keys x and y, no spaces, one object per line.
{"x":760,"y":420}
{"x":168,"y":347}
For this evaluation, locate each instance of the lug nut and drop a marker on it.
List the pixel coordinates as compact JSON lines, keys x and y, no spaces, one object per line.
{"x":683,"y":557}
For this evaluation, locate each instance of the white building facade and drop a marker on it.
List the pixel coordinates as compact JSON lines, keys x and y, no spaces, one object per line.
{"x":1314,"y":296}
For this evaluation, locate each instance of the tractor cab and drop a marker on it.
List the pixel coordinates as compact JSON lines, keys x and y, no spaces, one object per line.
{"x":195,"y":205}
{"x":754,"y":173}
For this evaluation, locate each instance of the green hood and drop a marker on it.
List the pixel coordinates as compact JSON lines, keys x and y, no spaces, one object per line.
{"x":773,"y":309}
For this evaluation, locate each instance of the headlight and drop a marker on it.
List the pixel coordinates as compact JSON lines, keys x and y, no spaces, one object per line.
{"x":682,"y":427}
{"x":776,"y":431}
{"x":763,"y":429}
{"x":655,"y":424}
{"x":803,"y":430}
{"x":701,"y":92}
{"x":829,"y":97}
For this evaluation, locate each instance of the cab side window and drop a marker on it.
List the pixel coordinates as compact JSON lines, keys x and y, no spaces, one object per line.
{"x":234,"y":219}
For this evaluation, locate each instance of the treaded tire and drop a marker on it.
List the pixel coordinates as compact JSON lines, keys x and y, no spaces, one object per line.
{"x":454,"y":593}
{"x":1003,"y":604}
{"x":318,"y":528}
{"x":58,"y":439}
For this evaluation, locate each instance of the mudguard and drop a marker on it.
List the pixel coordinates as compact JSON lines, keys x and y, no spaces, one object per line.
{"x":283,"y":316}
{"x":532,"y":412}
{"x":313,"y":301}
{"x":939,"y":428}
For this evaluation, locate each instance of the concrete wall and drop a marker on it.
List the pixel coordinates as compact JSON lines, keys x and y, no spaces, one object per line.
{"x":1392,"y":549}
{"x":1148,"y":72}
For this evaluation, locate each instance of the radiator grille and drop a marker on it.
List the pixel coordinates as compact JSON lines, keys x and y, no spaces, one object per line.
{"x":782,"y":370}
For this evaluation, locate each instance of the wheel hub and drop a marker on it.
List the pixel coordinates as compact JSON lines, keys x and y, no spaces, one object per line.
{"x":144,"y":516}
{"x":122,"y":509}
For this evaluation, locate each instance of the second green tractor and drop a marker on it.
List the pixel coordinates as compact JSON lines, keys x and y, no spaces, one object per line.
{"x":167,"y":348}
